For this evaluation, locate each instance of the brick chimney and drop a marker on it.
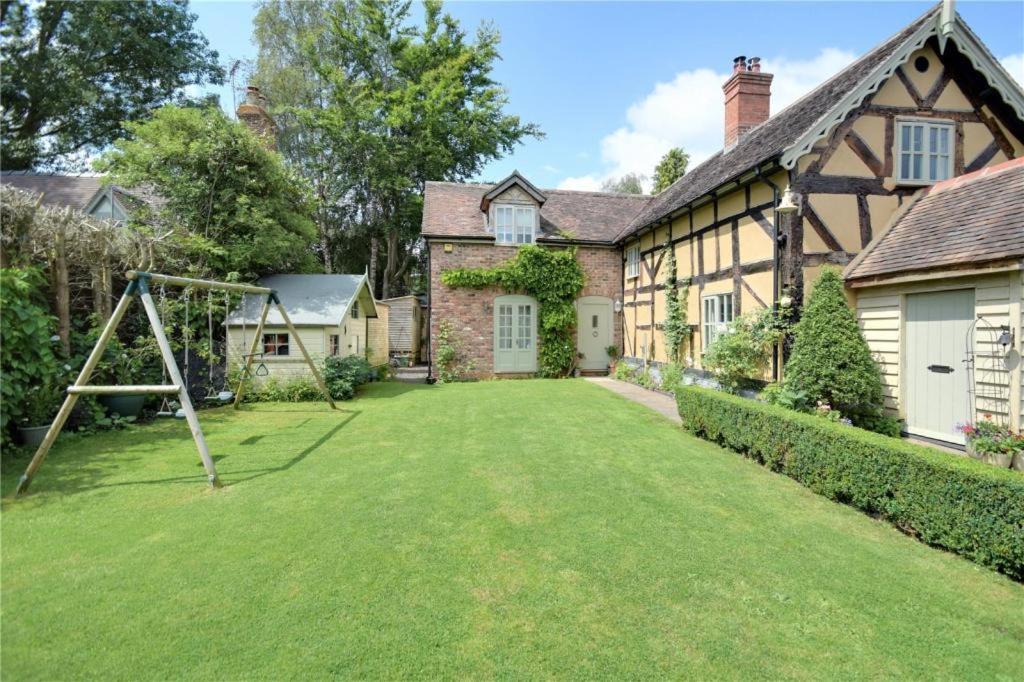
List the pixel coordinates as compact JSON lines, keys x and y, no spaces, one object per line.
{"x":747,"y":98}
{"x":253,"y":113}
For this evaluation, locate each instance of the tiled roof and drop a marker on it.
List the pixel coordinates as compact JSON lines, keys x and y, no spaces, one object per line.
{"x":452,"y":209}
{"x":768,"y":140}
{"x":971,"y":219}
{"x":58,"y":190}
{"x":76,"y":191}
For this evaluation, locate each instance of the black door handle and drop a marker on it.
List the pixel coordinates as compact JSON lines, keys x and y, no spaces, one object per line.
{"x":941,"y":369}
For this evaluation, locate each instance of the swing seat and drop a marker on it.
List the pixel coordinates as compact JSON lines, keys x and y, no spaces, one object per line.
{"x":179,"y":413}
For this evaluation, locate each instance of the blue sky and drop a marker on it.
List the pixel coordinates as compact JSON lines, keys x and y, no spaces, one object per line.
{"x":614,"y":84}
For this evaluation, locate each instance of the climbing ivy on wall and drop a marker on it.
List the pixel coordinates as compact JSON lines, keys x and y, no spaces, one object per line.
{"x":552,"y":276}
{"x":676,"y":326}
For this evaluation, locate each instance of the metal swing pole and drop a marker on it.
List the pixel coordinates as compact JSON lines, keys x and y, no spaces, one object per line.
{"x":72,"y":397}
{"x":142,"y":280}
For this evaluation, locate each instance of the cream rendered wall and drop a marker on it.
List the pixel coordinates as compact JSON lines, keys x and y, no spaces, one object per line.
{"x":998,"y":300}
{"x":281,"y":368}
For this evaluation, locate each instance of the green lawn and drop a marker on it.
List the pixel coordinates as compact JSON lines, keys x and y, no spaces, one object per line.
{"x":498,"y":529}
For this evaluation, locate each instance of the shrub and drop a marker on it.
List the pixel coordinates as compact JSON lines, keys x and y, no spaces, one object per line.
{"x":451,"y":364}
{"x":623,"y":372}
{"x":671,"y":377}
{"x":962,"y":505}
{"x":831,"y":361}
{"x":297,"y":390}
{"x":344,"y":375}
{"x":742,"y":354}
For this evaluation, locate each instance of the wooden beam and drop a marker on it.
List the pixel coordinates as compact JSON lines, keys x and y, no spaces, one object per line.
{"x":886,"y":110}
{"x":821,"y":228}
{"x":753,"y":293}
{"x":240,"y":389}
{"x":124,"y":390}
{"x":69,"y":402}
{"x":864,"y":220}
{"x":175,"y":376}
{"x":864,"y":153}
{"x":909,"y":85}
{"x":133,"y":275}
{"x":982,"y":159}
{"x":305,"y":354}
{"x":765,"y":224}
{"x":933,"y":95}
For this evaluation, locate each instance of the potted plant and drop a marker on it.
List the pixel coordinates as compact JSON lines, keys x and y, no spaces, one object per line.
{"x":992,"y":443}
{"x":123,"y":369}
{"x":613,"y":357}
{"x":40,"y":405}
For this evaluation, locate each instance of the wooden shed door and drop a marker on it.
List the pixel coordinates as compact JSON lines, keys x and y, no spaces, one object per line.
{"x":936,"y":377}
{"x":515,"y":334}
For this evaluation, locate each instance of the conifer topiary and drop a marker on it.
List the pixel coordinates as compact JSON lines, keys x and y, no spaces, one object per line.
{"x":831,"y":361}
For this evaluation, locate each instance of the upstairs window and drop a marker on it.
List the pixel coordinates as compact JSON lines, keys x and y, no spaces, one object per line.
{"x":924,"y":151}
{"x":514,"y":224}
{"x":717,"y":316}
{"x":633,"y":262}
{"x":355,"y":310}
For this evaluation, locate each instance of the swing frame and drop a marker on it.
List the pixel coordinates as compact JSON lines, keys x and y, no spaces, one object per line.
{"x":139,"y":287}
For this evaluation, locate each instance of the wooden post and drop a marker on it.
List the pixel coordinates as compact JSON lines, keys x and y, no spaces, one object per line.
{"x":309,"y":360}
{"x":175,"y":376}
{"x":252,"y":350}
{"x":72,"y":398}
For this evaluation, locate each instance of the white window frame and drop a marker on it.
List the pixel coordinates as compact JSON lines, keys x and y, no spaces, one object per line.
{"x":633,"y":262}
{"x":943,"y":161}
{"x":355,"y":309}
{"x":717,"y":311}
{"x":334,"y":345}
{"x":515,"y":224}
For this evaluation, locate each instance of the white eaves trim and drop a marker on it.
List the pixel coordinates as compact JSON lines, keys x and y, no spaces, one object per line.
{"x":966,"y":42}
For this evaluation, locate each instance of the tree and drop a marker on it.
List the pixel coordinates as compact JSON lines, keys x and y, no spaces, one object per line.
{"x":671,"y":167}
{"x":73,"y":71}
{"x":831,"y":361}
{"x":394,"y":105}
{"x":630,"y":183}
{"x":234,"y":205}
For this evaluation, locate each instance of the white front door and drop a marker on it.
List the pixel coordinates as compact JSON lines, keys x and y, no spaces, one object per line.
{"x":594,"y":331}
{"x":936,"y":388}
{"x":515,"y":334}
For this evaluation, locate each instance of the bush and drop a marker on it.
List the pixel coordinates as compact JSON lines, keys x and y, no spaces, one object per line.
{"x":344,"y":375}
{"x":671,"y":377}
{"x":831,"y":361}
{"x":297,"y":390}
{"x":964,"y":506}
{"x":742,"y":355}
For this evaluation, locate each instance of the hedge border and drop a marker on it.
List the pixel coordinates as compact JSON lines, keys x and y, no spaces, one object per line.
{"x":959,"y":504}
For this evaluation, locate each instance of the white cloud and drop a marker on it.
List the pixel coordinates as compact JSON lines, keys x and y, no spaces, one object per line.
{"x":687,"y":112}
{"x":1014,"y":63}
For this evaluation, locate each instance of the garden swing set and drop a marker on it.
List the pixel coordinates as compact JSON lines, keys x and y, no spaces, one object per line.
{"x":139,"y":284}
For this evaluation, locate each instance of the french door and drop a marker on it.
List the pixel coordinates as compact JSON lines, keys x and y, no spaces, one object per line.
{"x":515,"y":334}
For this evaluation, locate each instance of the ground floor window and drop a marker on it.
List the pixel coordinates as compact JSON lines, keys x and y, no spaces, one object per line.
{"x":717,"y":316}
{"x":334,"y":344}
{"x":275,"y":344}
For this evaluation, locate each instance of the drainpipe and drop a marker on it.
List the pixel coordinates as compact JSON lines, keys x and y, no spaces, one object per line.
{"x":430,"y":315}
{"x":776,"y":195}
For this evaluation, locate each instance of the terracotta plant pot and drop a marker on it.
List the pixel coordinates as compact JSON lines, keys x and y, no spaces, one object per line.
{"x":32,"y":436}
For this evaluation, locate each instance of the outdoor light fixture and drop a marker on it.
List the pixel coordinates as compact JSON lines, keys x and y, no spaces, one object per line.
{"x":790,"y":202}
{"x":617,"y":306}
{"x":1006,"y":338}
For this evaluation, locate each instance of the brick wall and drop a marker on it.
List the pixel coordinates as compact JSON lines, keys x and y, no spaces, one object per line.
{"x":471,"y":311}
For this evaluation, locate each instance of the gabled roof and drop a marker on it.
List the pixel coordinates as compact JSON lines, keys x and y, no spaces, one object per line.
{"x":791,"y":133}
{"x":514,"y":179}
{"x":311,"y":300}
{"x":452,"y":209}
{"x":80,"y":192}
{"x":970,"y":220}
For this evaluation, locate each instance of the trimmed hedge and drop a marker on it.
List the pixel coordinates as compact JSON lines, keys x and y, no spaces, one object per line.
{"x":952,"y":502}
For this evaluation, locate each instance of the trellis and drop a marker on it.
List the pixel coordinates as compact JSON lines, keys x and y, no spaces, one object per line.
{"x":139,"y":287}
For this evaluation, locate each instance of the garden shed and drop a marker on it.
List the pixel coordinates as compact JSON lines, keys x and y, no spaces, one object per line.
{"x":405,"y":326}
{"x":939,"y":299}
{"x":329,"y":313}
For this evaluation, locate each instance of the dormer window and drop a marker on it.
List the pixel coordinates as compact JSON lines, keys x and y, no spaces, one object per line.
{"x":514,"y":224}
{"x":924,"y":151}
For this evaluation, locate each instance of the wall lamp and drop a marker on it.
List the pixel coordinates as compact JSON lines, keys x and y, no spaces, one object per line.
{"x":790,"y":202}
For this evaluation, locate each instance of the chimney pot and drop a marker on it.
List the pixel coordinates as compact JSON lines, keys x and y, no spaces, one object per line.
{"x":755,"y":64}
{"x":253,"y":113}
{"x":739,"y":64}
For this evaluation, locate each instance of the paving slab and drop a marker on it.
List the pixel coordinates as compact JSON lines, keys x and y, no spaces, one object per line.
{"x":659,"y":402}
